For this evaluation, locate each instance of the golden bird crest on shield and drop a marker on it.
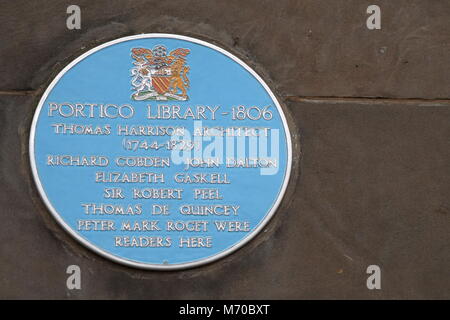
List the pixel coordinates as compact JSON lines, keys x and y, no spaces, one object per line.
{"x":157,"y":75}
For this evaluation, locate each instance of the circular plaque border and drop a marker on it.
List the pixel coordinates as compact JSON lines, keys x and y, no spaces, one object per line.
{"x":132,"y":263}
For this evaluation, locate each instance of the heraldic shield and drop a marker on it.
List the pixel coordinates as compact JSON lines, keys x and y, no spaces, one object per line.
{"x":158,"y":75}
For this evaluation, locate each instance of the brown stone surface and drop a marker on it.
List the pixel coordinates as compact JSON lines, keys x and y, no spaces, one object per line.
{"x":308,"y":47}
{"x":374,"y":177}
{"x":373,"y":190}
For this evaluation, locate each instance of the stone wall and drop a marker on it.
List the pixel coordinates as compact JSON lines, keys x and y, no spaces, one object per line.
{"x":370,"y":118}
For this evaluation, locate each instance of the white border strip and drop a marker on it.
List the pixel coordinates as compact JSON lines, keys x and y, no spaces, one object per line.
{"x":131,"y":263}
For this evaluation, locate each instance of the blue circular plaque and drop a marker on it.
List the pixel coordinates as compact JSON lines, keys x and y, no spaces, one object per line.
{"x":160,"y":151}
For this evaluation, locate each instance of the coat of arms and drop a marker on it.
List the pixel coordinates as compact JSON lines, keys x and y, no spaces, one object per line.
{"x":157,"y":75}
